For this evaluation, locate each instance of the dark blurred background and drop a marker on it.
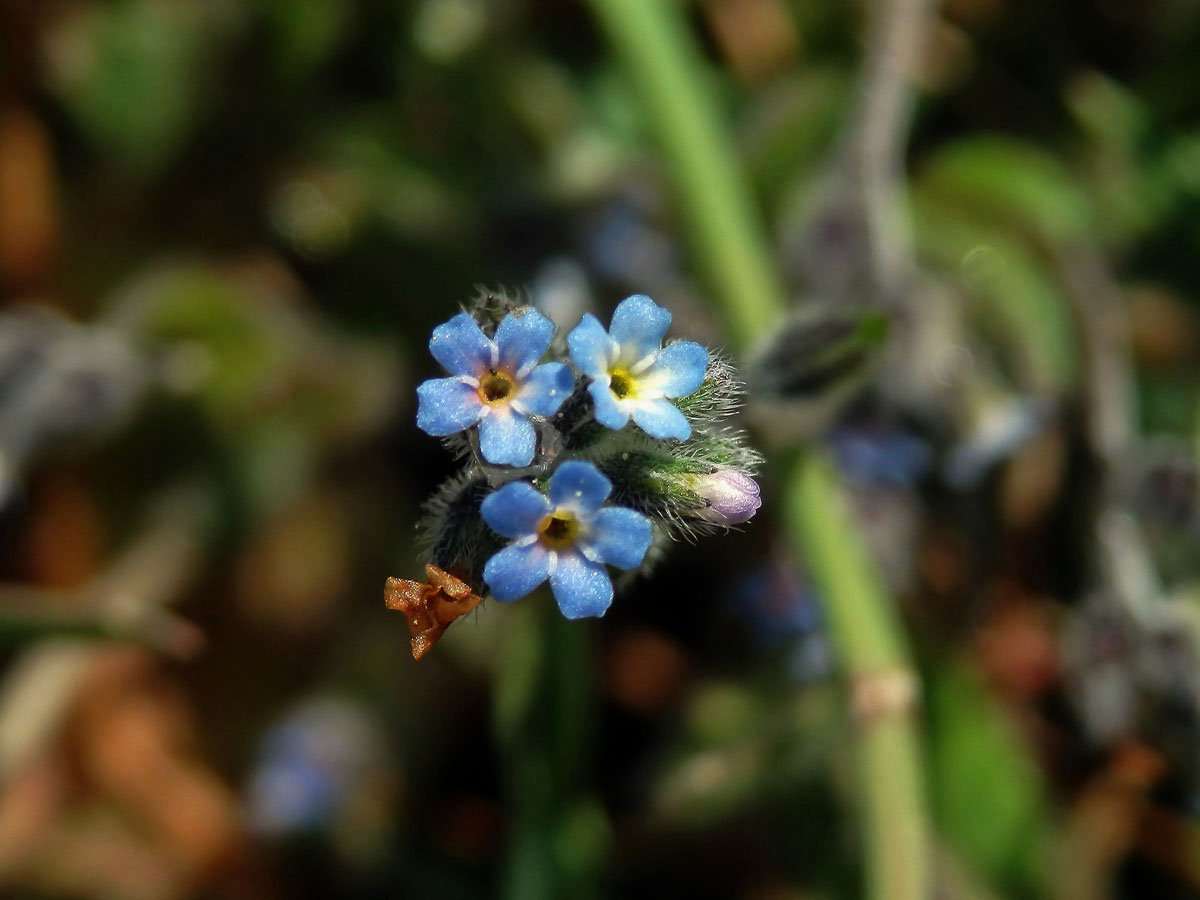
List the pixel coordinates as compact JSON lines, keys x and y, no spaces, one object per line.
{"x":226,"y":230}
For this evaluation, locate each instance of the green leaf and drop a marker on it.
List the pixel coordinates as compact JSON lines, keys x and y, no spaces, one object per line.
{"x":1002,"y":182}
{"x":306,"y":33}
{"x":988,"y":792}
{"x":134,"y":74}
{"x":1020,"y":301}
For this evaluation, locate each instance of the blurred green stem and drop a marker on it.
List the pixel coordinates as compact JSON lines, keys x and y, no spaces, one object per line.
{"x":542,"y":713}
{"x":883,"y":687}
{"x":727,"y":241}
{"x":730,"y":248}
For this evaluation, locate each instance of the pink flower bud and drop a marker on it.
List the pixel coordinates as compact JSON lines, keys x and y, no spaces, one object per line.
{"x":731,"y":497}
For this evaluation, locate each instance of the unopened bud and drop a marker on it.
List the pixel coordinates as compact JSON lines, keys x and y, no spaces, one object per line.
{"x":730,"y":497}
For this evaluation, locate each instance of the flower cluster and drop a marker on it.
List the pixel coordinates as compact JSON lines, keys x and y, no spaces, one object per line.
{"x":580,"y":454}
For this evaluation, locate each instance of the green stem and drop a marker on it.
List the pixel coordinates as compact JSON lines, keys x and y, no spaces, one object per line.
{"x":727,"y":241}
{"x":870,"y":641}
{"x":864,"y":624}
{"x":543,"y":711}
{"x":730,"y":249}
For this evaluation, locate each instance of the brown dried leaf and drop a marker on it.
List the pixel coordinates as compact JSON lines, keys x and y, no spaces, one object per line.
{"x":429,"y":607}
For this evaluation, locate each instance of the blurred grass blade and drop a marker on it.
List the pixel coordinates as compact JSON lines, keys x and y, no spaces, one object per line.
{"x":728,"y":244}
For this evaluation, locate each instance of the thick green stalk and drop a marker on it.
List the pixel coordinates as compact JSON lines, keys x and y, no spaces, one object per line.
{"x":864,"y":626}
{"x":730,"y":249}
{"x":871,"y":645}
{"x":727,"y":242}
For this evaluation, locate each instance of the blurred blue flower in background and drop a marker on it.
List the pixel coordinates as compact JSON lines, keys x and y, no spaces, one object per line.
{"x":777,"y":602}
{"x":880,"y":454}
{"x":632,"y":374}
{"x":778,"y":606}
{"x":495,"y":384}
{"x":566,"y":536}
{"x":312,"y":763}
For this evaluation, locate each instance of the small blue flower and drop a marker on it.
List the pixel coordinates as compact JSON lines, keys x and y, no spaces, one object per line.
{"x":566,"y":536}
{"x":632,"y":374}
{"x":496,"y":384}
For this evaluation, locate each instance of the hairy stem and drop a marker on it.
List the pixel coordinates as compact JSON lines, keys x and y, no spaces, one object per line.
{"x":879,"y":131}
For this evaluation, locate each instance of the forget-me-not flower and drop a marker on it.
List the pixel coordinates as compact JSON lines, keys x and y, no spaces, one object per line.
{"x":632,"y":374}
{"x":567,"y":536}
{"x":495,"y":384}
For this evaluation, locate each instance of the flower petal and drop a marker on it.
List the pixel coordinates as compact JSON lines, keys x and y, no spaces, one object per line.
{"x":516,"y":570}
{"x":460,"y":346}
{"x":660,"y":419}
{"x":581,"y":588}
{"x":579,"y":486}
{"x":590,"y":347}
{"x":515,"y":509}
{"x":446,"y":406}
{"x":608,"y":411}
{"x":620,"y":536}
{"x":507,"y":438}
{"x":524,"y":336}
{"x":678,"y":369}
{"x":638,"y":326}
{"x":545,"y":389}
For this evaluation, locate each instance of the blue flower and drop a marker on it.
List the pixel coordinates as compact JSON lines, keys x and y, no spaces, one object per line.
{"x":566,"y":536}
{"x":632,"y":374}
{"x":495,"y":384}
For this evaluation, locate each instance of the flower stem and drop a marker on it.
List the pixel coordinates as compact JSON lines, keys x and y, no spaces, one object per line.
{"x":727,"y":242}
{"x":730,"y":248}
{"x":542,"y":713}
{"x":866,"y":631}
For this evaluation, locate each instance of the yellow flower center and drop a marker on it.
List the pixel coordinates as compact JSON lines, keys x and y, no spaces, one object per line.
{"x":495,"y":387}
{"x":620,"y":383}
{"x":558,"y":530}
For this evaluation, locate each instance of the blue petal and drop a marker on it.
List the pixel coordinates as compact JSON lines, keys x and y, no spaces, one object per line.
{"x":638,"y":325}
{"x":581,"y":588}
{"x":660,"y":419}
{"x":507,"y":438}
{"x":678,"y":369}
{"x":460,"y":346}
{"x":590,"y":347}
{"x":515,"y":509}
{"x":620,"y":536}
{"x":579,"y":486}
{"x":544,"y":390}
{"x":608,"y":413}
{"x":446,"y":406}
{"x":516,"y":570}
{"x":523,"y":338}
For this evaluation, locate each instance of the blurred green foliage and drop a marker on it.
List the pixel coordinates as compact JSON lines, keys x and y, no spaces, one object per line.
{"x":274,"y":202}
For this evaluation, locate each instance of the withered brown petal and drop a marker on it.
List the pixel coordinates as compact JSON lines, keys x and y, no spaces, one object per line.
{"x":453,"y":587}
{"x":429,"y":608}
